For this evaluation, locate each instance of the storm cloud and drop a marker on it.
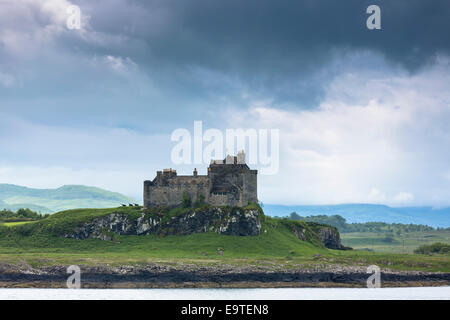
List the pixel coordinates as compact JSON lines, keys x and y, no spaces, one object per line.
{"x":71,"y":99}
{"x":201,"y":49}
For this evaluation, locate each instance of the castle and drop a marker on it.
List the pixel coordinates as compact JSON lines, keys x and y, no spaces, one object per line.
{"x":229,"y":182}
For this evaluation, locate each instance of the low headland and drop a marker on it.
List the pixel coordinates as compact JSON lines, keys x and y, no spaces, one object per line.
{"x":197,"y":246}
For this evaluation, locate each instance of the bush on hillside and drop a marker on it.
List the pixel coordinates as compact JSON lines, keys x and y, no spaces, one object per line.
{"x":19,"y":215}
{"x":438,"y":247}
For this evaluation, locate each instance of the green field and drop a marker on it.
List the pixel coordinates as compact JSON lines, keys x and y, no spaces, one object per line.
{"x":40,"y":243}
{"x":273,"y":248}
{"x":404,"y":243}
{"x":12,"y":224}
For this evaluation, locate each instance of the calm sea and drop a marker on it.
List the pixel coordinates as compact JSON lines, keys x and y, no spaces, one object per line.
{"x":441,"y":293}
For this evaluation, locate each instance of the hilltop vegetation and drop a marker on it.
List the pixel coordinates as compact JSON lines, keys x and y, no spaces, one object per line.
{"x":381,"y":236}
{"x":438,"y":247}
{"x":13,"y":197}
{"x":360,"y":213}
{"x":20,"y":215}
{"x":46,"y":236}
{"x":108,"y":224}
{"x":344,"y":227}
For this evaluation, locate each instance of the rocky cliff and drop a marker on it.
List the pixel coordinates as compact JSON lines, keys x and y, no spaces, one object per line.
{"x":330,"y":237}
{"x":315,"y":233}
{"x":184,"y":221}
{"x":222,"y":220}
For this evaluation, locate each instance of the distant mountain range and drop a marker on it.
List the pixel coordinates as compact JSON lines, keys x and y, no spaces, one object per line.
{"x":66,"y":197}
{"x":369,"y":212}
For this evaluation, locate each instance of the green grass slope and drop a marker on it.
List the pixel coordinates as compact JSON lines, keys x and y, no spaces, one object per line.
{"x":53,"y":200}
{"x":41,"y":243}
{"x":276,"y":239}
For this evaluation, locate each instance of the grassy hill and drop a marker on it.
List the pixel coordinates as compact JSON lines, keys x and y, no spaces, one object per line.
{"x":41,"y":243}
{"x":45,"y":236}
{"x":66,"y":197}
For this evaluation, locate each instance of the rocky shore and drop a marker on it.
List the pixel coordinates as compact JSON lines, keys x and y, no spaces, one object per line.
{"x":203,"y":276}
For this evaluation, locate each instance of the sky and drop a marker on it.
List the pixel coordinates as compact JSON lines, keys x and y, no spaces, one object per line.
{"x":363,"y":115}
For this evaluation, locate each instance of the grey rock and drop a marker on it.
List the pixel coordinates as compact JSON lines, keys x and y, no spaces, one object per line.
{"x":330,"y":238}
{"x":215,"y":219}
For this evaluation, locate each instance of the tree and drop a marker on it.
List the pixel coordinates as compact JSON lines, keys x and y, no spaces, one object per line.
{"x":294,"y":216}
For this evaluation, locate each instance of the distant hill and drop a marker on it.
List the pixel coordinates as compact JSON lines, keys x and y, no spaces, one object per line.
{"x":369,"y":212}
{"x":66,"y":197}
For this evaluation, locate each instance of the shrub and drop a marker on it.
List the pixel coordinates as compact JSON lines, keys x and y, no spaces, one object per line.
{"x":186,"y":200}
{"x":437,"y":247}
{"x":200,"y":201}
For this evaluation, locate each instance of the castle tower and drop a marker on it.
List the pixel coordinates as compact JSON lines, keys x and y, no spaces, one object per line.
{"x":229,"y":182}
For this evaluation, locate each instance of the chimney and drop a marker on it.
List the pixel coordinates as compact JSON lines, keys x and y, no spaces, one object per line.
{"x":241,"y":157}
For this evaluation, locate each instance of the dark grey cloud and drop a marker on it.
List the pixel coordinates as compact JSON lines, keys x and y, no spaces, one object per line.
{"x":268,"y":44}
{"x":195,"y":55}
{"x":140,"y":69}
{"x":259,"y":35}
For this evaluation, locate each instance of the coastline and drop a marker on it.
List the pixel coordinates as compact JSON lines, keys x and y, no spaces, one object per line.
{"x":202,"y":276}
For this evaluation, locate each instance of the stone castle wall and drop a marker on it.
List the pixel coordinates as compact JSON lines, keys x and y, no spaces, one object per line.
{"x":172,"y":193}
{"x":226,"y":184}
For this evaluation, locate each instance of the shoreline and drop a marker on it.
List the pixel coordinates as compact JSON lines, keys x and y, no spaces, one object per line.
{"x":239,"y":285}
{"x":202,"y":276}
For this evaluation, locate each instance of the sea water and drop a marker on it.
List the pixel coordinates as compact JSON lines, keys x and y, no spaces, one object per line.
{"x":434,"y":293}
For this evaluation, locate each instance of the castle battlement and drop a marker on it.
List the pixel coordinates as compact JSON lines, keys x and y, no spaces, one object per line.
{"x":228,"y":182}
